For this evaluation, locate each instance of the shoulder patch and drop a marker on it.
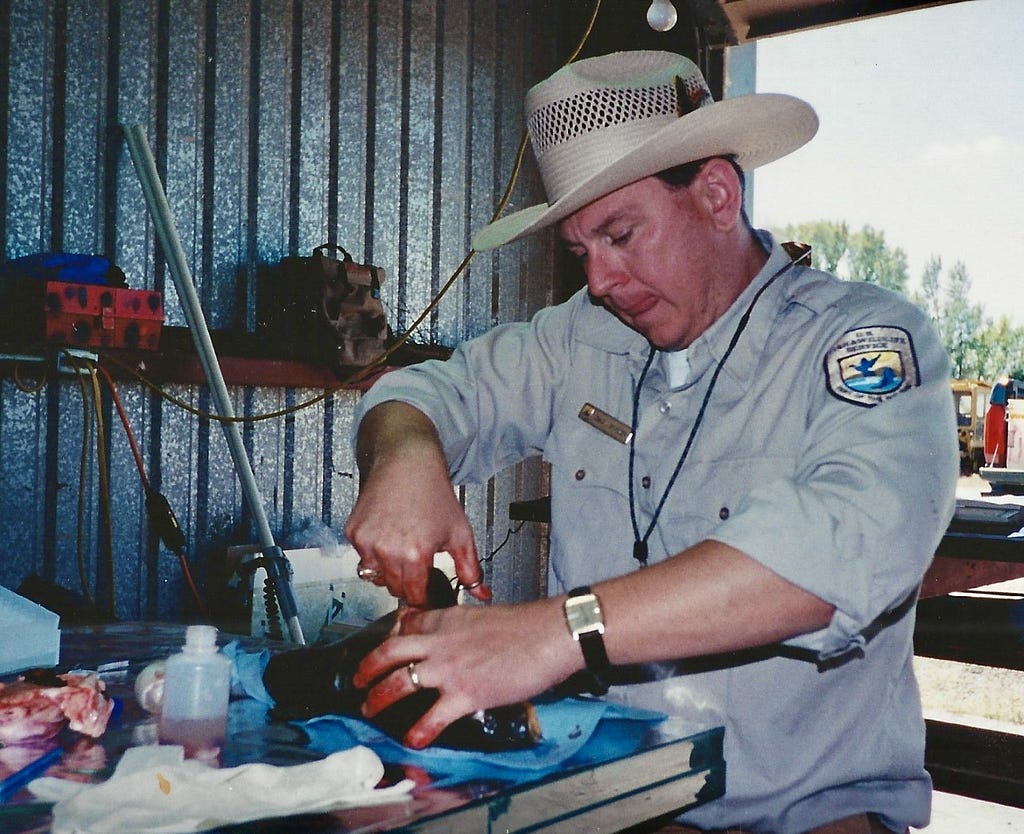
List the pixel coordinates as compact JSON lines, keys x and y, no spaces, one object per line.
{"x":869,"y":365}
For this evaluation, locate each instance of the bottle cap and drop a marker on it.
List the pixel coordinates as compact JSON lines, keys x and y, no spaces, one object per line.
{"x":201,"y":638}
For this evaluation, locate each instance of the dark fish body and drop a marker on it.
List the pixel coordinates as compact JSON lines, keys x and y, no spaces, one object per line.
{"x":317,"y":680}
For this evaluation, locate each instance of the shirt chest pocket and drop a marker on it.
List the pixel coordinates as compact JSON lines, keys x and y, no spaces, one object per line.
{"x":707,"y":494}
{"x":591,"y":534}
{"x":586,"y":464}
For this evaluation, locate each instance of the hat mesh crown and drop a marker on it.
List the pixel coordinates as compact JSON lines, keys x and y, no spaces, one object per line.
{"x":578,"y":115}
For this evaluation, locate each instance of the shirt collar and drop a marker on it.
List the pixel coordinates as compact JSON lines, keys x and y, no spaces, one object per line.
{"x":608,"y":333}
{"x":710,"y":347}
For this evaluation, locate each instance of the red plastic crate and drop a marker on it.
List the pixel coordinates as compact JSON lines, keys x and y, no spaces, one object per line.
{"x":90,"y":315}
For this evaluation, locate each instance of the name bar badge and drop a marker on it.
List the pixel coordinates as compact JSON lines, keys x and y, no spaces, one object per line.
{"x":605,"y":423}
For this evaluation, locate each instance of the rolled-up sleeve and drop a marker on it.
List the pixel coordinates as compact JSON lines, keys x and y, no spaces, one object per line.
{"x":492,"y":400}
{"x":858,"y":522}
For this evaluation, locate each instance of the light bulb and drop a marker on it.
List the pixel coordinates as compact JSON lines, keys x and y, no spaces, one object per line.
{"x":661,"y":16}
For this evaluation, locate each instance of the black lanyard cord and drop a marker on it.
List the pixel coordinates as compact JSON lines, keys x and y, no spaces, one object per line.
{"x":640,"y":542}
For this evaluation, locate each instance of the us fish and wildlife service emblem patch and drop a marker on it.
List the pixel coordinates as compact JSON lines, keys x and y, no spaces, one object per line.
{"x":869,"y":365}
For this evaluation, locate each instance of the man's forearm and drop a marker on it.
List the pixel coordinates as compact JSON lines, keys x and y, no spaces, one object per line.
{"x":407,"y":510}
{"x":393,"y":428}
{"x":707,"y":600}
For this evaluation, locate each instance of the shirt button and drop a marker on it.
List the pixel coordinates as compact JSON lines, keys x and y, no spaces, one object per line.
{"x":645,"y":482}
{"x":665,"y":407}
{"x":723,"y":513}
{"x":580,"y":474}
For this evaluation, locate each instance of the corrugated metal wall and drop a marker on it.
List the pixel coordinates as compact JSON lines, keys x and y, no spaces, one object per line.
{"x":386,"y":126}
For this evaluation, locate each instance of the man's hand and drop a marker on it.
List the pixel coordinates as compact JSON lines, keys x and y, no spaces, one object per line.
{"x":407,"y":510}
{"x":707,"y":600}
{"x":477,"y":657}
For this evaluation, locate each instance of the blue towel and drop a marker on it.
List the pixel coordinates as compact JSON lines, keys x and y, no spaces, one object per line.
{"x":575,"y":731}
{"x":247,"y":670}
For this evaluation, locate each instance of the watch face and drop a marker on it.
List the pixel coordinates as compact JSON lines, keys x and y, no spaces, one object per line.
{"x":583,"y":614}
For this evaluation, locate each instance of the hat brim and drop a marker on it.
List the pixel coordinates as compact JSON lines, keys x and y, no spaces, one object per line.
{"x":755,"y":129}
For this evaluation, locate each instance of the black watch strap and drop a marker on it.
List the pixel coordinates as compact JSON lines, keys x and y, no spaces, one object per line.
{"x":583,"y":616}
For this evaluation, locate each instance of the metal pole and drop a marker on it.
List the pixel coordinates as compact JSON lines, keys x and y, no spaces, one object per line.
{"x":167,"y":233}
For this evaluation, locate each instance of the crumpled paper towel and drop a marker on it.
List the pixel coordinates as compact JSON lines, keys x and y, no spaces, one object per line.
{"x":155,"y":789}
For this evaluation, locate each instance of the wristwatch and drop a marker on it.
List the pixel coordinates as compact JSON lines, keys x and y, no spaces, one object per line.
{"x":586,"y":625}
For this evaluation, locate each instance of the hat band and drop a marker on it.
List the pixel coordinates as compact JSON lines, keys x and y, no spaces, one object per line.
{"x":569,"y":165}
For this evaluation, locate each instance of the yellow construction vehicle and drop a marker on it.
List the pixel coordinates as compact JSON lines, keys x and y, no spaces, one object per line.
{"x":971,"y":397}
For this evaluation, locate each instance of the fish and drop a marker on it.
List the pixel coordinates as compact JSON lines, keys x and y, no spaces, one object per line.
{"x":317,"y":680}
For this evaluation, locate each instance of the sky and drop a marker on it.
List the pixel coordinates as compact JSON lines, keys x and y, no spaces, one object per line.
{"x":921,"y":138}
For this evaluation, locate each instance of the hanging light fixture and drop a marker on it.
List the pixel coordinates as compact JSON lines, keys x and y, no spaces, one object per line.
{"x":661,"y":16}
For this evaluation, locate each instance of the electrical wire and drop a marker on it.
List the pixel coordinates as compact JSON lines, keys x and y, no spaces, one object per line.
{"x":483,"y":560}
{"x":164,"y":394}
{"x":24,"y":386}
{"x":91,"y":395}
{"x":508,"y":535}
{"x":83,"y":472}
{"x":159,"y":509}
{"x":119,"y":406}
{"x":103,"y":471}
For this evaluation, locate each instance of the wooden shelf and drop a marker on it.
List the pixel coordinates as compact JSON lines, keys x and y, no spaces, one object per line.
{"x":242,"y":361}
{"x":184,"y":368}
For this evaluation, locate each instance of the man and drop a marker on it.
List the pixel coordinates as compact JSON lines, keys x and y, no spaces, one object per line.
{"x":752,"y":463}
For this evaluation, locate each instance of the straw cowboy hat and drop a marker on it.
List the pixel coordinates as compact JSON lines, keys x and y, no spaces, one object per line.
{"x":602,"y":123}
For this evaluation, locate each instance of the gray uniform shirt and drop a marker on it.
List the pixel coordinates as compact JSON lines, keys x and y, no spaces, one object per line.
{"x":827,"y":453}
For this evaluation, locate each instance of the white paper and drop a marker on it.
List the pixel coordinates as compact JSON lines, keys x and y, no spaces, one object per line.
{"x":155,"y":789}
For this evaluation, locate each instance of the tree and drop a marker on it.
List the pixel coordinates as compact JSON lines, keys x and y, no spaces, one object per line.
{"x":1004,"y":351}
{"x":874,"y":262}
{"x":978,"y":347}
{"x":961,"y":324}
{"x":861,"y":256}
{"x":930,"y":299}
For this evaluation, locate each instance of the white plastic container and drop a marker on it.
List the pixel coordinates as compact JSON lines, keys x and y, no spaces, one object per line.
{"x":196,"y":690}
{"x":1015,"y":434}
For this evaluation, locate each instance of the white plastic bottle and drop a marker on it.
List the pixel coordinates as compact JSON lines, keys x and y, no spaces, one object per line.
{"x":197,"y":687}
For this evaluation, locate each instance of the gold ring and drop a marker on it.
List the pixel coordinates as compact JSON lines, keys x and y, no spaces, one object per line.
{"x":473,"y":585}
{"x":413,"y":677}
{"x":367,"y":574}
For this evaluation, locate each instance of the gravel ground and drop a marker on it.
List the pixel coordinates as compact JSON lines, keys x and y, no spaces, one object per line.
{"x":980,"y":695}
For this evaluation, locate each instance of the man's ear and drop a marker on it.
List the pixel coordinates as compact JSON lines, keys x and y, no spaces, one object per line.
{"x":721,"y":193}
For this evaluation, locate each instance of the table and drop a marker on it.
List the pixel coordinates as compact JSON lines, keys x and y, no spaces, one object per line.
{"x":673,"y":768}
